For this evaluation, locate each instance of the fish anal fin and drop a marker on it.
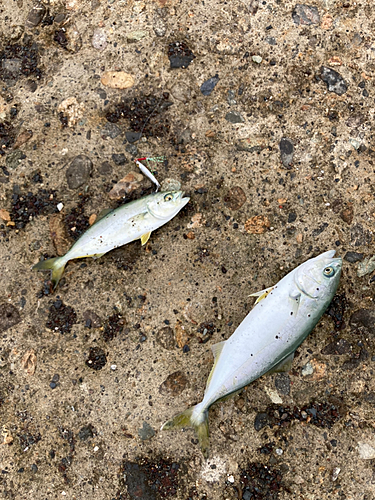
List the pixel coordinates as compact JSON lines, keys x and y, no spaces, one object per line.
{"x":103,"y":213}
{"x":284,"y":365}
{"x":216,"y":351}
{"x":262,"y":294}
{"x":145,"y":237}
{"x":217,"y":348}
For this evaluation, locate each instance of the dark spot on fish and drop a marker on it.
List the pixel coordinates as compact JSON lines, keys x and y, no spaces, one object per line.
{"x":276,"y":337}
{"x":308,"y":315}
{"x":291,"y":313}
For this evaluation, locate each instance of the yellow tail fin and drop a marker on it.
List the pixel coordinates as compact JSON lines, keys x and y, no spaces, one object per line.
{"x":192,"y":418}
{"x":56,"y":265}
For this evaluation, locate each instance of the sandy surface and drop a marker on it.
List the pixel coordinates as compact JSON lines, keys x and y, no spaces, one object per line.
{"x":281,"y":130}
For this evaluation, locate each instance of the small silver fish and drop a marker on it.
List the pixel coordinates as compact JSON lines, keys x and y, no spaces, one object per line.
{"x":267,"y":338}
{"x":115,"y":228}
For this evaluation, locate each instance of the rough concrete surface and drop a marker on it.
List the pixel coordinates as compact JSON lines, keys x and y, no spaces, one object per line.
{"x":264,"y":112}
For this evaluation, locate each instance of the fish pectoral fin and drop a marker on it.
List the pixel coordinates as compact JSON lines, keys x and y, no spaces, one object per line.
{"x":145,"y":237}
{"x":97,"y":255}
{"x":262,"y":294}
{"x":295,"y":299}
{"x":284,"y":365}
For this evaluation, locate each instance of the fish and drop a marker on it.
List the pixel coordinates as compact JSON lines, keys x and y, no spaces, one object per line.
{"x":266,"y":340}
{"x":115,"y":228}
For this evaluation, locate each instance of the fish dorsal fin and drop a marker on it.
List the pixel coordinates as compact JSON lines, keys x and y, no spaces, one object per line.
{"x":283,"y":366}
{"x":216,"y":351}
{"x":103,"y":213}
{"x":145,"y":237}
{"x":262,"y":294}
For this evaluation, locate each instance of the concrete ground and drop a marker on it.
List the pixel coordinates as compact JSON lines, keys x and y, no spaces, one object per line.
{"x":263,"y":111}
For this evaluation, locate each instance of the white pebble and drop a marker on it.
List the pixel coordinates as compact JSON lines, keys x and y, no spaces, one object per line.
{"x":231,"y":479}
{"x":279,"y":451}
{"x":257,"y":59}
{"x":113,"y":367}
{"x":99,"y":39}
{"x":96,"y":448}
{"x":60,"y":206}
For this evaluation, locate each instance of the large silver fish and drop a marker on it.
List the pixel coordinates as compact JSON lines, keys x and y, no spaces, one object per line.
{"x":267,"y":338}
{"x":115,"y":228}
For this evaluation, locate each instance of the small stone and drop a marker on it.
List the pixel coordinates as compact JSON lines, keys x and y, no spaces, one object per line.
{"x":353,"y":257}
{"x":96,"y":358}
{"x":366,"y":451}
{"x":305,"y":15}
{"x":231,"y":98}
{"x":23,"y":137}
{"x":136,"y":36}
{"x":327,"y":22}
{"x":53,"y":385}
{"x":335,"y":473}
{"x":261,"y":420}
{"x":334,"y":80}
{"x":179,"y":55}
{"x":110,"y":130}
{"x":360,"y":236}
{"x":125,"y":186}
{"x":347,"y":213}
{"x":74,"y":39}
{"x":165,"y":337}
{"x":208,"y":86}
{"x":181,"y":92}
{"x":282,"y":383}
{"x":117,"y":80}
{"x":271,"y":40}
{"x":72,"y":110}
{"x":105,"y":168}
{"x":174,"y":384}
{"x":35,"y":15}
{"x":93,"y":318}
{"x":185,"y":136}
{"x":257,"y":224}
{"x":257,"y":59}
{"x":113,"y":368}
{"x":235,"y":198}
{"x":292,"y":217}
{"x":251,"y":144}
{"x":159,"y":26}
{"x":60,"y":206}
{"x":5,"y":215}
{"x":307,"y":370}
{"x":133,"y":136}
{"x":279,"y":451}
{"x":356,"y":144}
{"x":286,"y":151}
{"x":366,"y":267}
{"x":169,"y":184}
{"x":146,"y":432}
{"x":234,"y":117}
{"x":99,"y":39}
{"x":78,"y":171}
{"x":92,"y":219}
{"x":86,"y":433}
{"x":9,"y":316}
{"x":119,"y":158}
{"x":299,"y":238}
{"x":132,"y":149}
{"x":337,"y":348}
{"x":28,"y":362}
{"x":190,"y":235}
{"x":14,"y":159}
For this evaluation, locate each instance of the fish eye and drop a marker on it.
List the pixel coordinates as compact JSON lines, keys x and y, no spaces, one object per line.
{"x":168,"y":197}
{"x":329,"y":272}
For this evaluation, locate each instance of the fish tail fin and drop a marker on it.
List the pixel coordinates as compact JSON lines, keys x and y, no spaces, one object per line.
{"x":56,"y":265}
{"x":195,"y":417}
